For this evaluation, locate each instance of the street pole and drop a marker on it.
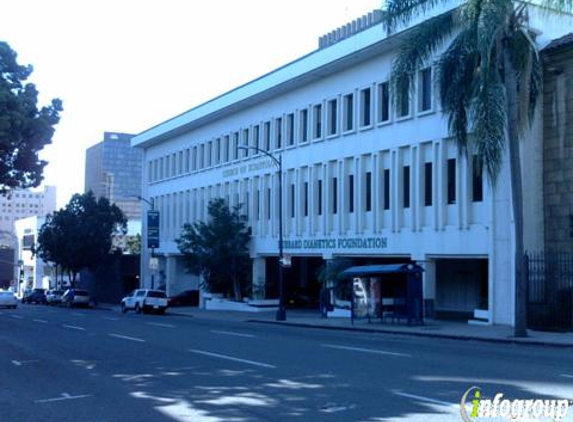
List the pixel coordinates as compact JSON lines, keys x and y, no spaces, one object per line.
{"x":281,"y":312}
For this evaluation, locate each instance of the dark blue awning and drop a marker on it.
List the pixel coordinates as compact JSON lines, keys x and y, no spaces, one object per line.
{"x":372,"y":270}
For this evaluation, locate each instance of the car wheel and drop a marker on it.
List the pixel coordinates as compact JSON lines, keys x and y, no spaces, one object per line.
{"x":137,"y":308}
{"x":123,"y":308}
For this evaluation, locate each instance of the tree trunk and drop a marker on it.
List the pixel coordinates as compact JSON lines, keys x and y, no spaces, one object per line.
{"x":520,"y":329}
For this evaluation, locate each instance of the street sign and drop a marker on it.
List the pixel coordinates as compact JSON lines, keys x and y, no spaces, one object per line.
{"x":153,"y":263}
{"x":153,"y":229}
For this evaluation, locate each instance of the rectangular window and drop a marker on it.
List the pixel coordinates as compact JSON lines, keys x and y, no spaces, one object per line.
{"x":350,"y":193}
{"x":290,"y":129}
{"x":258,"y":205}
{"x":245,"y":142}
{"x":406,"y":186}
{"x":304,"y":125}
{"x":404,"y":104}
{"x":317,"y":115}
{"x":268,"y":203}
{"x":209,"y":154}
{"x":292,"y":200}
{"x":425,"y":89}
{"x":306,"y":199}
{"x":332,"y":117}
{"x":427,"y":184}
{"x":383,"y":102}
{"x":267,"y":135}
{"x":334,"y":195}
{"x":451,"y":181}
{"x":477,"y":180}
{"x":180,"y":169}
{"x":256,"y":137}
{"x":218,"y":151}
{"x":386,"y":189}
{"x":348,"y":110}
{"x":201,"y":156}
{"x":368,"y":191}
{"x":279,"y":133}
{"x":235,"y":145}
{"x":227,"y":149}
{"x":319,"y":198}
{"x":365,"y":107}
{"x":194,"y":161}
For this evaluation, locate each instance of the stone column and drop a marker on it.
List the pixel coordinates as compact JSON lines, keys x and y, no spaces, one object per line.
{"x":259,"y":278}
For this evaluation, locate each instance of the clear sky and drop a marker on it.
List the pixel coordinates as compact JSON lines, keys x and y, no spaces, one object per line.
{"x":126,"y":65}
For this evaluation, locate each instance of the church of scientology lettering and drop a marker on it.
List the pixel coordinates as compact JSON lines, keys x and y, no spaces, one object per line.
{"x":337,"y":243}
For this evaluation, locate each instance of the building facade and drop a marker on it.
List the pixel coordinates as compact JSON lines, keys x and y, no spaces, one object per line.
{"x":361,"y":179}
{"x":24,"y":203}
{"x":113,"y":171}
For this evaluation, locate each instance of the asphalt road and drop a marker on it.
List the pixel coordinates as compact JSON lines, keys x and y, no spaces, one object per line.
{"x":91,"y":365}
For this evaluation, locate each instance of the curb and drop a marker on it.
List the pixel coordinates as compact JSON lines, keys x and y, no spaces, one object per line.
{"x":417,"y":334}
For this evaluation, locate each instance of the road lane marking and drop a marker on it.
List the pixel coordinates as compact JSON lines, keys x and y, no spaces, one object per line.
{"x":234,"y":359}
{"x":426,"y":399}
{"x":77,"y":314}
{"x":230,"y":333}
{"x":17,"y":316}
{"x":160,"y":324}
{"x":127,"y":338}
{"x":22,"y":362}
{"x":111,"y":318}
{"x":566,"y":376}
{"x":359,"y":349}
{"x":65,"y":396}
{"x":73,"y":327}
{"x":43,"y":321}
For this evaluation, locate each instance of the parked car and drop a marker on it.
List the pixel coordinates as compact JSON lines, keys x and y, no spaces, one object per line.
{"x":34,"y":296}
{"x":76,"y":297}
{"x":185,"y":298}
{"x":54,"y":297}
{"x":144,"y":300}
{"x":8,"y":300}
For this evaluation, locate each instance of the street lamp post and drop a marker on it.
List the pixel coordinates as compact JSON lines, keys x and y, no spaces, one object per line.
{"x":151,"y":203}
{"x":281,"y":312}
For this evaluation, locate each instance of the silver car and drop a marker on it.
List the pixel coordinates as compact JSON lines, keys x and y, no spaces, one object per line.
{"x":8,"y":300}
{"x":76,"y":297}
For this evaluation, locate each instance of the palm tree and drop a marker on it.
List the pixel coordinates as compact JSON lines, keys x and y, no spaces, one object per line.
{"x":489,"y":77}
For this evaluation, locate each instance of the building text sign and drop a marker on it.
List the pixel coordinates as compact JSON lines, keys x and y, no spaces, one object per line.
{"x":337,"y":243}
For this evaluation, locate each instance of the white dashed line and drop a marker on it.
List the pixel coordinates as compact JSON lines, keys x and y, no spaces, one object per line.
{"x":127,"y":338}
{"x":230,"y":333}
{"x":17,"y":316}
{"x":426,"y":399}
{"x":22,"y":362}
{"x":43,"y":321}
{"x":359,"y":349}
{"x":234,"y":359}
{"x":73,"y":327}
{"x":111,"y":318}
{"x":77,"y":314}
{"x":566,"y":376}
{"x":160,"y":324}
{"x":65,"y":396}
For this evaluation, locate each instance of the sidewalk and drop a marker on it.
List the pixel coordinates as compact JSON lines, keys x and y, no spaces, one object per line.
{"x":433,"y":328}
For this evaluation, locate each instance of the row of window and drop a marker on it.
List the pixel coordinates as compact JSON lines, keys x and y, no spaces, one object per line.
{"x":330,"y":118}
{"x":325,"y":195}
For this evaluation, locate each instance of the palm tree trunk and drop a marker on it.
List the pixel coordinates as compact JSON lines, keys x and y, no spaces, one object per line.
{"x":520,"y":328}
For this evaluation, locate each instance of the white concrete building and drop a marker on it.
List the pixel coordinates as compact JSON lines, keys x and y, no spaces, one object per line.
{"x":361,"y":179}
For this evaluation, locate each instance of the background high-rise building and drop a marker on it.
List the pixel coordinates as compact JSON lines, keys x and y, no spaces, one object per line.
{"x":113,"y":170}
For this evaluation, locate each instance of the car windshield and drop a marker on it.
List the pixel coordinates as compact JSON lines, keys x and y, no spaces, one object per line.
{"x":81,"y":293}
{"x":156,"y":294}
{"x":57,"y":292}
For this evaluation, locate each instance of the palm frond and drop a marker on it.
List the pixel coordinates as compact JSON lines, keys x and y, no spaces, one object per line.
{"x":457,"y":75}
{"x":563,"y":6}
{"x":489,"y":114}
{"x":415,"y":53}
{"x":400,"y":12}
{"x":491,"y":27}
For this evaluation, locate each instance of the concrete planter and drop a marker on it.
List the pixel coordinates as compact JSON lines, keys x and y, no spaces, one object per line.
{"x":220,"y":304}
{"x":339,"y":313}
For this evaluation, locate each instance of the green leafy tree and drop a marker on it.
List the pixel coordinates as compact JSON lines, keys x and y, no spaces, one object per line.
{"x":489,"y":78}
{"x":133,"y":244}
{"x":24,"y":129}
{"x":218,"y":249}
{"x":80,"y":235}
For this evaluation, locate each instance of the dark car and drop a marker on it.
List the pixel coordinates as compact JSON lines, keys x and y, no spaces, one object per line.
{"x":34,"y":296}
{"x":185,"y":298}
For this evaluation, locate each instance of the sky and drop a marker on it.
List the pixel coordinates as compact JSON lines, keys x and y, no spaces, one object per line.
{"x":127,"y":65}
